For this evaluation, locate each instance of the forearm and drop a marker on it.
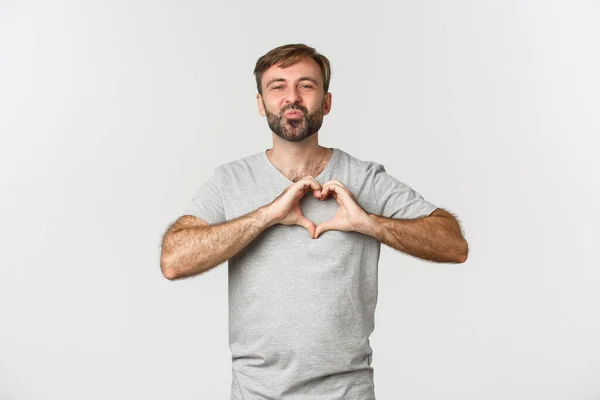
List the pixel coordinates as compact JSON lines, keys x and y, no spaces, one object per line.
{"x":194,"y":250}
{"x":432,"y":238}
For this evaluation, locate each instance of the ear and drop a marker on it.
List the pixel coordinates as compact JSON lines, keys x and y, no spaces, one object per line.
{"x":327,"y":104}
{"x":261,"y":105}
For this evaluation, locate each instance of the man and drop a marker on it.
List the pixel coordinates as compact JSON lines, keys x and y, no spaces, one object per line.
{"x":303,"y":266}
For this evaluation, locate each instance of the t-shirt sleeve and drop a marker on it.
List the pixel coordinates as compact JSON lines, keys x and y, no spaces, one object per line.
{"x":398,"y":200}
{"x":207,"y":203}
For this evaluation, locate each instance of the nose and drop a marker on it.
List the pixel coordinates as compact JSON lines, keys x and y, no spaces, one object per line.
{"x":293,"y":95}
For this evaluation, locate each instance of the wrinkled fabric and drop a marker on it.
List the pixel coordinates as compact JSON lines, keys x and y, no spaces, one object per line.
{"x":301,"y":310}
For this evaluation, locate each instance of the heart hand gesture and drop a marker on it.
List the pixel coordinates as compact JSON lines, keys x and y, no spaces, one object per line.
{"x":351,"y":217}
{"x":285,"y":209}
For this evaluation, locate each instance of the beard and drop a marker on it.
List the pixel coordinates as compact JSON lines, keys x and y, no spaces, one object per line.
{"x":296,"y":129}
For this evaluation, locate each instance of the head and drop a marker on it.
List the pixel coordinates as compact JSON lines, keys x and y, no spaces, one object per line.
{"x":293,"y":77}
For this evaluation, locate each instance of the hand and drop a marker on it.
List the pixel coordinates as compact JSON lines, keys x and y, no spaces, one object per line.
{"x":350,"y":215}
{"x":285,"y":209}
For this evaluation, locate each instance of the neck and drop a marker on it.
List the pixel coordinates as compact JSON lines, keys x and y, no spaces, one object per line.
{"x":297,"y":156}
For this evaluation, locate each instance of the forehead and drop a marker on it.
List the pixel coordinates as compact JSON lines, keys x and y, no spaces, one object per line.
{"x":305,"y":67}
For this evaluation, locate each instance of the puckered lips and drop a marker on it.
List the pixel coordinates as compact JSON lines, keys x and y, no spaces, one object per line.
{"x":293,"y":114}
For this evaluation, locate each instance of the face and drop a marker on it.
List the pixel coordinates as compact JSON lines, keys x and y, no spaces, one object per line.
{"x":293,"y":100}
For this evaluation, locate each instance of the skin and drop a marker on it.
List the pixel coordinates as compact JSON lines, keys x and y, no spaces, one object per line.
{"x":295,"y":141}
{"x":191,"y":246}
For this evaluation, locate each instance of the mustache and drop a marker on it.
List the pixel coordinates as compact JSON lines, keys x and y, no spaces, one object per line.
{"x":294,"y":107}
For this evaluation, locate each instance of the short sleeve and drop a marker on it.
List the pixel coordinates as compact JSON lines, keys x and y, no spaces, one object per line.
{"x":398,"y":200}
{"x":207,"y":203}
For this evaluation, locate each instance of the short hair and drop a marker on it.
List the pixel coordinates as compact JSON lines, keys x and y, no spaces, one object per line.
{"x":287,"y":55}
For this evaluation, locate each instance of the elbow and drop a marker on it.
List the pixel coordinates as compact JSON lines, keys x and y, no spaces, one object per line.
{"x":167,"y":269}
{"x":170,"y":274}
{"x":463,"y":254}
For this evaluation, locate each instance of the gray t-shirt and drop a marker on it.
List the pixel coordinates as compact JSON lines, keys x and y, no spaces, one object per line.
{"x":301,"y":310}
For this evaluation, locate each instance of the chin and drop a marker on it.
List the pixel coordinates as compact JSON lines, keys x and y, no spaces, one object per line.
{"x":298,"y":138}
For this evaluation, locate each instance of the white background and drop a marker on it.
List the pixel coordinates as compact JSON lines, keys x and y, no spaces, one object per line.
{"x":113,"y":113}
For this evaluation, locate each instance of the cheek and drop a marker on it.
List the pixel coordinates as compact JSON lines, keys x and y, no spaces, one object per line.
{"x":275,"y":106}
{"x":271,"y":109}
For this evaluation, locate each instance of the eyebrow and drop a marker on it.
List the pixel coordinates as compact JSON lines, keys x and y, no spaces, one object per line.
{"x":304,"y":78}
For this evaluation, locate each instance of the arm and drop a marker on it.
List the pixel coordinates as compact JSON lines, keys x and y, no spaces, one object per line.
{"x":436,"y":237}
{"x":191,"y":246}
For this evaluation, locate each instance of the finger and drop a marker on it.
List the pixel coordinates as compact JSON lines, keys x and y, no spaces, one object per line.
{"x":310,"y":183}
{"x":313,"y":182}
{"x":342,"y":195}
{"x":331,"y":188}
{"x":327,"y":188}
{"x":324,"y":227}
{"x":334,"y":181}
{"x":307,"y":183}
{"x":308,"y":224}
{"x":299,"y":189}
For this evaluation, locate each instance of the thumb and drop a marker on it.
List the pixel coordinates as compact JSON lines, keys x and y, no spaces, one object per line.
{"x":308,"y":224}
{"x":324,"y":227}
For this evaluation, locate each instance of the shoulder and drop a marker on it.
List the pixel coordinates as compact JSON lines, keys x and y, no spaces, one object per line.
{"x":247,"y":163}
{"x":356,"y":164}
{"x":241,"y":171}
